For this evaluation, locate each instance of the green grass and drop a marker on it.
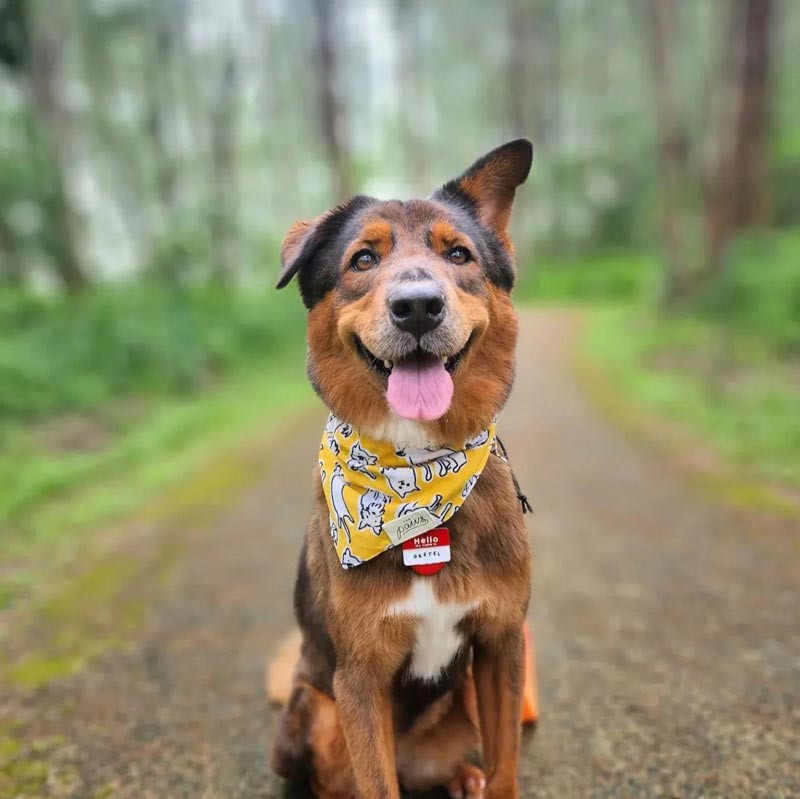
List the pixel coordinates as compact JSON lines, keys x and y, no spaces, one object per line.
{"x":758,"y":292}
{"x":109,"y":399}
{"x":728,"y":388}
{"x":52,"y":501}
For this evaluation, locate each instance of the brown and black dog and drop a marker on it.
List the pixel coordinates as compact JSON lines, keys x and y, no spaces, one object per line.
{"x":388,"y":284}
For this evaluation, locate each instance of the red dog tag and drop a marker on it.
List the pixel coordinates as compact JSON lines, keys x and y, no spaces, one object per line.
{"x":427,"y":553}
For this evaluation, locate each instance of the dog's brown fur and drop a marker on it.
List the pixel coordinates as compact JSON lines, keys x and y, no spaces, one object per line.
{"x":355,"y":723}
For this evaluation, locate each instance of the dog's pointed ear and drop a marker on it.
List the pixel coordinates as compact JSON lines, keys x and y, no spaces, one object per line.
{"x":298,"y":246}
{"x":490,"y":183}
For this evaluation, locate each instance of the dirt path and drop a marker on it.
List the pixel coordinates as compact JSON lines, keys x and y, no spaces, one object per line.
{"x":667,"y":632}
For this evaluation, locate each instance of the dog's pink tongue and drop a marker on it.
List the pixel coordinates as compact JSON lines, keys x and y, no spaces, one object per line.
{"x":420,"y":391}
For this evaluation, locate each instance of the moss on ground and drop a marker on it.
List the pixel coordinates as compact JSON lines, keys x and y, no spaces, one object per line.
{"x":141,"y":474}
{"x":34,"y":769}
{"x":95,"y":612}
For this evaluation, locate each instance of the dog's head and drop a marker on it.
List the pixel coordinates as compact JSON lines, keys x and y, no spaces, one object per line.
{"x":410,"y":314}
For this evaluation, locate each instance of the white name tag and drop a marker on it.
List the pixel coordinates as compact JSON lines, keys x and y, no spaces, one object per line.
{"x":419,"y":557}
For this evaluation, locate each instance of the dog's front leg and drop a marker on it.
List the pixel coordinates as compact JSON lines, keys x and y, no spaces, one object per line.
{"x":365,"y":712}
{"x":498,"y":665}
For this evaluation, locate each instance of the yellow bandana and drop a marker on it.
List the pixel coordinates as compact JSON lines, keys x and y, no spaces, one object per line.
{"x":379,"y":497}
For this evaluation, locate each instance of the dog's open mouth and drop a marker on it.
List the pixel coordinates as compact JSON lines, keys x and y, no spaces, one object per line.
{"x":420,"y":357}
{"x":418,"y":386}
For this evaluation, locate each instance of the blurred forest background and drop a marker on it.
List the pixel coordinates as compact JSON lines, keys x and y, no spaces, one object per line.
{"x":153,"y":153}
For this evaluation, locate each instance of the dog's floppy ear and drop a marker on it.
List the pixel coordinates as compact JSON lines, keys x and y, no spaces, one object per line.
{"x":489,"y":184}
{"x":298,"y":246}
{"x":305,"y":243}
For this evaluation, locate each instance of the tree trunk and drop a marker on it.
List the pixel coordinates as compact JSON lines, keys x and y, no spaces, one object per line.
{"x":737,"y":190}
{"x":46,"y":94}
{"x":158,"y":77}
{"x":660,"y":24}
{"x":750,"y":192}
{"x":721,"y":148}
{"x":520,"y":52}
{"x":117,"y":164}
{"x":331,"y":111}
{"x":412,"y":92}
{"x":734,"y":189}
{"x":224,"y":191}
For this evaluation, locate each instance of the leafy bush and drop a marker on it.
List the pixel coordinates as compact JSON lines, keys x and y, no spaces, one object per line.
{"x":616,"y":276}
{"x":759,"y":290}
{"x":726,"y":387}
{"x":65,"y":353}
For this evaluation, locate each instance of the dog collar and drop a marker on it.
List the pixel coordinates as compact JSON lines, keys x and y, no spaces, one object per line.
{"x":379,"y":496}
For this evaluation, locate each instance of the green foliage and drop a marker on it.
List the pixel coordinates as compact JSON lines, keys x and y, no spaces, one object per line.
{"x":758,"y":292}
{"x":61,"y":353}
{"x":593,"y":277}
{"x":183,"y":251}
{"x":26,"y":179}
{"x":725,"y":387}
{"x":54,"y":492}
{"x":786,"y":191}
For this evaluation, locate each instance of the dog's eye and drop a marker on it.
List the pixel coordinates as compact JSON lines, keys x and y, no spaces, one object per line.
{"x":363,"y":260}
{"x":459,"y":255}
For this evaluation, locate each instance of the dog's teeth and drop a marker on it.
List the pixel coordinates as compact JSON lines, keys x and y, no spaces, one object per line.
{"x":444,"y":361}
{"x":387,"y":364}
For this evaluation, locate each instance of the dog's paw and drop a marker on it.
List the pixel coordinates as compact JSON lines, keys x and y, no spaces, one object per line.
{"x":468,"y":783}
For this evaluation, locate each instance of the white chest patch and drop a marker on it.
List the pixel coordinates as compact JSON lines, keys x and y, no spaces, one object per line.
{"x":403,"y":433}
{"x":437,"y":640}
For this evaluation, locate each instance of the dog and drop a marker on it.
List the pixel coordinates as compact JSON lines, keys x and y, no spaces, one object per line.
{"x":400,"y":680}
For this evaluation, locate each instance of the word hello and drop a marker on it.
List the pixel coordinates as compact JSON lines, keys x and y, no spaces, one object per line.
{"x":426,"y":541}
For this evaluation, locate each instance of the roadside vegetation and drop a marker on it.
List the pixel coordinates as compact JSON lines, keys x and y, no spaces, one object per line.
{"x":110,"y":398}
{"x":724,"y":368}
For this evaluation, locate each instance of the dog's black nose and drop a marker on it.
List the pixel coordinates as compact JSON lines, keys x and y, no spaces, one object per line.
{"x":417,"y":308}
